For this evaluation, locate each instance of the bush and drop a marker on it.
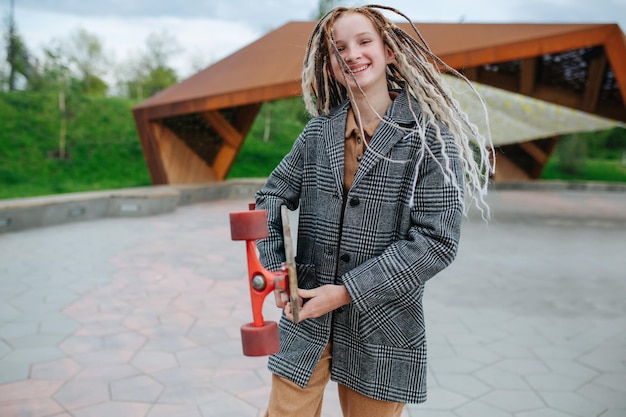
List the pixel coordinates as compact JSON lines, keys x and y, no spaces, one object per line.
{"x":572,"y":153}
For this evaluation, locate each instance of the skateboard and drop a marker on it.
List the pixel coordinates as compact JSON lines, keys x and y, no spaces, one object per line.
{"x":260,"y":337}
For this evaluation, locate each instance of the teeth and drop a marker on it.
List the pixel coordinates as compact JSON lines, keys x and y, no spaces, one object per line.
{"x":359,"y":69}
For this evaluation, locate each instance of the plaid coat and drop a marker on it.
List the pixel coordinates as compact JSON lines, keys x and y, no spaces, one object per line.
{"x":369,"y":240}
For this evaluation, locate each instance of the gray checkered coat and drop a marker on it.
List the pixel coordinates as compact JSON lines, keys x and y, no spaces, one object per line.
{"x":372,"y":242}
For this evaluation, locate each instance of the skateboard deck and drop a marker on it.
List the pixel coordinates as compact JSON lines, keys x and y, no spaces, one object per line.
{"x":290,"y":262}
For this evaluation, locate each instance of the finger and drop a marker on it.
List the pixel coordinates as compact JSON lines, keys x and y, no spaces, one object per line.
{"x":306,"y":293}
{"x":280,"y":298}
{"x":287,"y":311}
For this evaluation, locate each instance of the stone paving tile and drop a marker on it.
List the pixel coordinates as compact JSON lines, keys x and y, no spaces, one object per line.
{"x":139,"y":388}
{"x":572,"y":403}
{"x":466,"y":385}
{"x":80,"y":394}
{"x":61,"y":369}
{"x":30,"y":355}
{"x":617,"y":412}
{"x":114,"y":408}
{"x":479,"y":408}
{"x":167,"y":410}
{"x":29,"y":389}
{"x":110,"y":372}
{"x":141,"y":317}
{"x":36,"y":407}
{"x":12,"y":371}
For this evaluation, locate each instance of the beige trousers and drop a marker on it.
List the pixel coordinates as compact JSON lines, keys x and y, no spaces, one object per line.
{"x":290,"y":400}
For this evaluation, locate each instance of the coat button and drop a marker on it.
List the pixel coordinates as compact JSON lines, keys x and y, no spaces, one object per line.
{"x":354,"y":201}
{"x":345,"y":257}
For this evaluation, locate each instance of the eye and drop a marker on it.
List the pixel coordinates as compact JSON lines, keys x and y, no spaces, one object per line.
{"x":340,"y":46}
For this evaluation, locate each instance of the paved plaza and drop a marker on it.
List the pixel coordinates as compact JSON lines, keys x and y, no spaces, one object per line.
{"x":140,"y":317}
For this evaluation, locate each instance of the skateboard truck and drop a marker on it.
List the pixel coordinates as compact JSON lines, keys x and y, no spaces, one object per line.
{"x":260,"y":337}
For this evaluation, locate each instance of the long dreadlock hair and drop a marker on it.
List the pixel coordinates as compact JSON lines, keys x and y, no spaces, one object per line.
{"x":415,"y":68}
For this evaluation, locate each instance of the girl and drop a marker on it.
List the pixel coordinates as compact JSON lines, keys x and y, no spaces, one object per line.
{"x":379,"y":176}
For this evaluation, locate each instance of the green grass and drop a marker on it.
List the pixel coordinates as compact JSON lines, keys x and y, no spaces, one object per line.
{"x":592,"y":170}
{"x":102,"y":146}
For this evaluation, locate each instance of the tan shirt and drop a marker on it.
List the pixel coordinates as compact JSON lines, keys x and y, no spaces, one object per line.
{"x":355,"y":144}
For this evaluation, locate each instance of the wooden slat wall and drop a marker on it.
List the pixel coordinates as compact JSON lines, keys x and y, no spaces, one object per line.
{"x":182,"y":165}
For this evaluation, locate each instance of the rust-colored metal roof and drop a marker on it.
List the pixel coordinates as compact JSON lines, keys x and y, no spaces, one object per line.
{"x":270,"y":67}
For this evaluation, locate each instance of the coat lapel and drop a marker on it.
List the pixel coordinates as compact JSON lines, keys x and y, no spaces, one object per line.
{"x":389,"y":132}
{"x":334,"y":142}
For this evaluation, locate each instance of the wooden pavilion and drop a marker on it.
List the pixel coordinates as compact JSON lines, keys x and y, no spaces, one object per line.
{"x":192,"y":131}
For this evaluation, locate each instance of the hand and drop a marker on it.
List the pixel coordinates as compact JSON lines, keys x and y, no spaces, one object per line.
{"x":321,"y":300}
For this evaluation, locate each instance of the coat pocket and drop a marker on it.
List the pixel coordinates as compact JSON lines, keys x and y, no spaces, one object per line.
{"x":398,"y":324}
{"x":306,"y":276}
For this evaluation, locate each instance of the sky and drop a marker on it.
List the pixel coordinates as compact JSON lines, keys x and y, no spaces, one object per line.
{"x":209,"y":30}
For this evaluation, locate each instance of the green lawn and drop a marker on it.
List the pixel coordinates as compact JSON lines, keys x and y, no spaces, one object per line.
{"x":592,"y":170}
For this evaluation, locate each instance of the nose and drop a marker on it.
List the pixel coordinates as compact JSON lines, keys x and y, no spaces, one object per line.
{"x":351,"y":54}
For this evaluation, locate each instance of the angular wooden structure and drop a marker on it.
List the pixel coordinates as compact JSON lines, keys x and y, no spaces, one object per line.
{"x":192,"y":131}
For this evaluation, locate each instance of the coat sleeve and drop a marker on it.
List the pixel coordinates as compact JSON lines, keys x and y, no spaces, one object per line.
{"x":281,"y":188}
{"x":431,"y":242}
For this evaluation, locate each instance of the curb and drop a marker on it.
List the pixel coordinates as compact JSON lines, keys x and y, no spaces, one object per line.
{"x":560,"y":186}
{"x":29,"y":213}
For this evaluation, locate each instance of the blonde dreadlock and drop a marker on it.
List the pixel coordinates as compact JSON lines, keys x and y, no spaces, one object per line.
{"x":415,"y":68}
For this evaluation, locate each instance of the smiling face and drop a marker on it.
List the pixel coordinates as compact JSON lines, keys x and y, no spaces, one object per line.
{"x":364,"y":52}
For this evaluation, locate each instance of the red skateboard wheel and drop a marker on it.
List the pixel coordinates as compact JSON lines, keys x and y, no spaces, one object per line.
{"x":248,"y":225}
{"x":260,"y":341}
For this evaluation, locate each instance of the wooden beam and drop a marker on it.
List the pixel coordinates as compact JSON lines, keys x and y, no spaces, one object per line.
{"x":245,"y":116}
{"x":508,"y":170}
{"x":181,"y":164}
{"x":548,"y":146}
{"x":223,"y":161}
{"x":499,"y":80}
{"x":615,"y":47}
{"x":150,"y":147}
{"x":471,"y":73}
{"x":231,"y":136}
{"x":535,"y":152}
{"x":597,"y":69}
{"x":528,"y":74}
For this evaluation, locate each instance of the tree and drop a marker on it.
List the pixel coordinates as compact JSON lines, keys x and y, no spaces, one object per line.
{"x":149,"y":72}
{"x":572,"y":153}
{"x":130,"y":77}
{"x":324,"y":6}
{"x":76,"y":64}
{"x":4,"y":69}
{"x":199,"y":60}
{"x":52,"y":72}
{"x":161,"y":47}
{"x":16,"y":52}
{"x":86,"y":54}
